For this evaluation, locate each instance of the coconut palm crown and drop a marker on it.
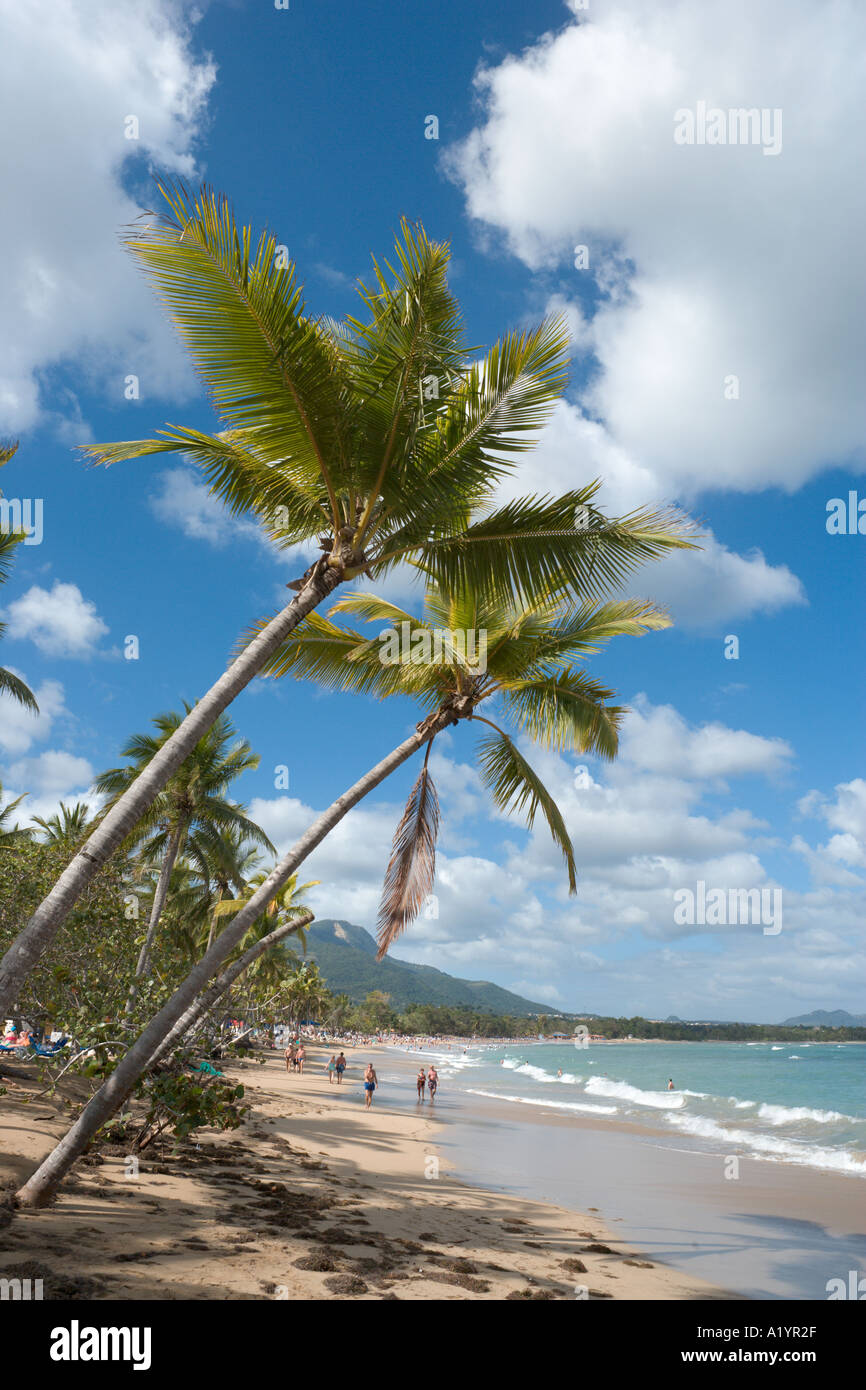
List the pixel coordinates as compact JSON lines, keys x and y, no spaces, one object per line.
{"x":378,"y":438}
{"x":514,"y":673}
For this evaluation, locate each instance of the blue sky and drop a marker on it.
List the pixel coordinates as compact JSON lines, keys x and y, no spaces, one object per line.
{"x":554,"y":130}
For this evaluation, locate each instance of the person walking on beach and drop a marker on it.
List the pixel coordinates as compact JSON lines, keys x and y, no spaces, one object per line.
{"x":421,"y":1081}
{"x":301,"y":1057}
{"x":331,"y":1068}
{"x":432,"y":1080}
{"x":371,"y":1081}
{"x":340,"y":1068}
{"x":290,"y":1057}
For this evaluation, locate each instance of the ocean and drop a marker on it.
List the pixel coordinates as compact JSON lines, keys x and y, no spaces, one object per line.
{"x":802,"y":1103}
{"x":749,"y":1173}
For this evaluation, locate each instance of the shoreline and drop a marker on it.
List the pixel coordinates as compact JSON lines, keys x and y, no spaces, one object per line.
{"x":762,"y":1229}
{"x":367,"y":1202}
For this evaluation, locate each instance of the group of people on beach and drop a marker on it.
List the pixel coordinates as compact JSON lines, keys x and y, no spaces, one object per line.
{"x":13,"y":1037}
{"x":296,"y":1056}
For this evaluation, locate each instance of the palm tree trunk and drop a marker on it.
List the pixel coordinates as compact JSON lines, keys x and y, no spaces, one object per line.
{"x":38,"y":933}
{"x":41,"y":1186}
{"x":206,"y":1001}
{"x":213,"y":921}
{"x":158,"y":904}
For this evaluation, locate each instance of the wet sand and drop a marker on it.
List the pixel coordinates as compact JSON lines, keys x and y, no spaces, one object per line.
{"x":761,"y":1229}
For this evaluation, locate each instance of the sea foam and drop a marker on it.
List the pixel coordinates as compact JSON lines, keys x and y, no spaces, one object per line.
{"x":620,"y":1090}
{"x":547,"y":1104}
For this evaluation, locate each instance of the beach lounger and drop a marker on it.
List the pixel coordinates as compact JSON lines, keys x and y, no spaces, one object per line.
{"x":49,"y":1049}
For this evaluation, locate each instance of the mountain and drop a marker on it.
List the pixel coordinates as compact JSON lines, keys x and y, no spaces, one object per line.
{"x":820,"y":1018}
{"x":346,"y":956}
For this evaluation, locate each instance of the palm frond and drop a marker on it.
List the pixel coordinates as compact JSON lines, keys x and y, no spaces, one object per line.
{"x":18,"y":690}
{"x":239,"y":310}
{"x":515,"y":786}
{"x":567,"y":712}
{"x":538,"y":545}
{"x":412,"y":867}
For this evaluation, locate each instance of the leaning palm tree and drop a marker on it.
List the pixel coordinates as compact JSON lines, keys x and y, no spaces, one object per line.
{"x":68,"y":825}
{"x":377,"y":440}
{"x":533,"y":651}
{"x":194,"y":800}
{"x":10,"y":684}
{"x":468,"y":656}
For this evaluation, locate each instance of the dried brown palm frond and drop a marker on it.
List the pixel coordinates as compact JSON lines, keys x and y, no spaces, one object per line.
{"x":412,"y":866}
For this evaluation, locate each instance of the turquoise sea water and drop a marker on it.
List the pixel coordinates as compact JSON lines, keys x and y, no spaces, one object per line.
{"x":802,"y":1103}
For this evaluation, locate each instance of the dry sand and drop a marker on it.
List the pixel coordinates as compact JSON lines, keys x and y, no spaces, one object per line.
{"x":312,"y":1198}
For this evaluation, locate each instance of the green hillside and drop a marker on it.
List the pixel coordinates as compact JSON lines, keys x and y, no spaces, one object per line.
{"x":820,"y":1018}
{"x":346,"y":956}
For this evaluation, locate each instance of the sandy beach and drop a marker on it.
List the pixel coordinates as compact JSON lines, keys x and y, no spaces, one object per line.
{"x":312,"y":1198}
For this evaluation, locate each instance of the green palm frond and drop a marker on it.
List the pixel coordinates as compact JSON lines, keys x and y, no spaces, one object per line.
{"x":516,"y":787}
{"x":17,"y":689}
{"x":414,"y":333}
{"x":550,"y":638}
{"x":534,"y":545}
{"x":330,"y":428}
{"x":289,"y":507}
{"x":567,"y":712}
{"x":372,"y":608}
{"x":10,"y":684}
{"x":12,"y":835}
{"x":266,"y":365}
{"x":334,"y":656}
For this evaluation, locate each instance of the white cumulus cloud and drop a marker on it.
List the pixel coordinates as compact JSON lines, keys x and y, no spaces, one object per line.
{"x":60,"y":621}
{"x":711,"y":261}
{"x":70,"y":77}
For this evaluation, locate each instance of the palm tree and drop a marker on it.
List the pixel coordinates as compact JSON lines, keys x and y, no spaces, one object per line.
{"x":67,"y":826}
{"x":340,"y":1008}
{"x":530,"y":667}
{"x":304,"y":993}
{"x":282,"y":917}
{"x":11,"y":835}
{"x":280,"y":907}
{"x":194,"y":800}
{"x":373,"y":440}
{"x":10,"y":684}
{"x":188,"y":905}
{"x":530,"y":672}
{"x":228,"y":858}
